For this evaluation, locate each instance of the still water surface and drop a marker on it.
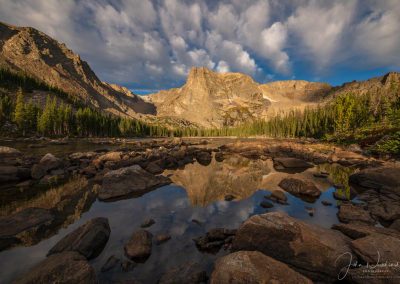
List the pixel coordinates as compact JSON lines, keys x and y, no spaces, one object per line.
{"x":197,"y":193}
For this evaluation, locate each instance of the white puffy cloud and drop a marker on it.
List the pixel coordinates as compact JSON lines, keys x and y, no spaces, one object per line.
{"x":320,"y":29}
{"x":153,"y":44}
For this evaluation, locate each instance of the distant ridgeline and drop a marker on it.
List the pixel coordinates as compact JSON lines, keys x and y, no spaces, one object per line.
{"x":61,"y":114}
{"x":350,"y":117}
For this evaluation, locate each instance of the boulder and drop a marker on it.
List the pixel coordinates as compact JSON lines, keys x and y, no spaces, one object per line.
{"x":350,"y":213}
{"x":377,"y":178}
{"x":138,"y":248}
{"x":8,"y":152}
{"x":300,"y":188}
{"x":129,"y":181}
{"x":377,"y":248}
{"x":383,"y":204}
{"x":203,"y":157}
{"x":253,"y":267}
{"x":381,"y":190}
{"x":356,"y":231}
{"x":309,"y":249}
{"x":190,"y":272}
{"x":66,"y":267}
{"x":89,"y":239}
{"x":290,"y":163}
{"x":110,"y":157}
{"x":25,"y":227}
{"x":47,"y":163}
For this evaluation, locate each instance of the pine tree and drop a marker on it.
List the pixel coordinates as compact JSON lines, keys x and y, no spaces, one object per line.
{"x":19,"y":114}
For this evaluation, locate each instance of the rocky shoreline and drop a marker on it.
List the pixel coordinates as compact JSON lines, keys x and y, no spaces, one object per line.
{"x":268,"y":247}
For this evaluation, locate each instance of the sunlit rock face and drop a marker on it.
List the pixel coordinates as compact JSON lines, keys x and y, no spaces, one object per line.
{"x":212,"y":99}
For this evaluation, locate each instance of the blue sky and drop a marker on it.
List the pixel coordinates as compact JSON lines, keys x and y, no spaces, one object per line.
{"x":151,"y":45}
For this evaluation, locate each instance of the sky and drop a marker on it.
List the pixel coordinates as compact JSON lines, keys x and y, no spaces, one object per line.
{"x":151,"y":45}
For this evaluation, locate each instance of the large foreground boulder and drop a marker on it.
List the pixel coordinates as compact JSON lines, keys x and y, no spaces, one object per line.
{"x":129,"y":181}
{"x":138,"y":248}
{"x":253,"y":267}
{"x":66,"y":267}
{"x":377,"y":248}
{"x":300,"y":188}
{"x":89,"y":239}
{"x":25,"y":227}
{"x":379,"y":254}
{"x":312,"y":250}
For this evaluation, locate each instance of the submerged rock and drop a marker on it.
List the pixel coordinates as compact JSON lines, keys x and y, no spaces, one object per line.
{"x":266,"y":204}
{"x":253,"y":267}
{"x":326,"y":203}
{"x":214,"y":239}
{"x":147,"y":223}
{"x":111,"y":263}
{"x":89,"y":239}
{"x":66,"y":267}
{"x":138,"y":248}
{"x":25,"y":227}
{"x":188,"y":273}
{"x":309,"y":249}
{"x":300,"y":188}
{"x":129,"y":181}
{"x":162,"y":238}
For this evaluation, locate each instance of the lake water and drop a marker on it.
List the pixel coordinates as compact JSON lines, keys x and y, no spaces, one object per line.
{"x":197,"y":193}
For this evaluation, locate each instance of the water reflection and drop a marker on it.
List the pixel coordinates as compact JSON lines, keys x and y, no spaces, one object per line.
{"x":198,"y":193}
{"x":237,"y":176}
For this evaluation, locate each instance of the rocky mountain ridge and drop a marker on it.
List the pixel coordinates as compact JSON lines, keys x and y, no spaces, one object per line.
{"x":208,"y":99}
{"x":27,"y":50}
{"x":213,"y":99}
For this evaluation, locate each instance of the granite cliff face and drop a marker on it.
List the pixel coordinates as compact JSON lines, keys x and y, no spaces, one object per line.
{"x":30,"y":51}
{"x":212,"y":99}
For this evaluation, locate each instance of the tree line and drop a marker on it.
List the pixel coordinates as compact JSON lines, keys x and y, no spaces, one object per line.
{"x":57,"y":118}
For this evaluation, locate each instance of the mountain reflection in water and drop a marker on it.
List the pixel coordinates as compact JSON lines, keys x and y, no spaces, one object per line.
{"x":197,"y":193}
